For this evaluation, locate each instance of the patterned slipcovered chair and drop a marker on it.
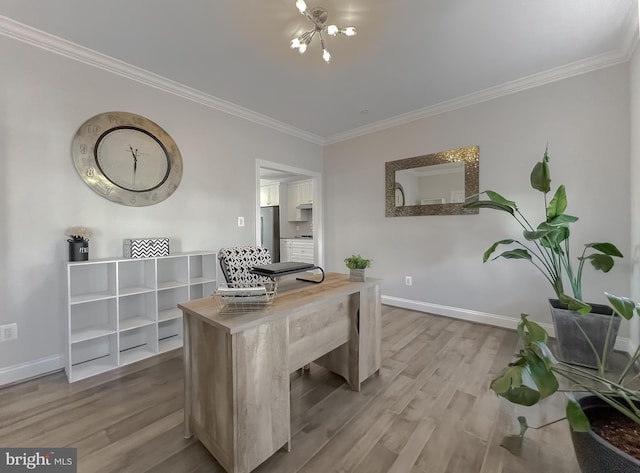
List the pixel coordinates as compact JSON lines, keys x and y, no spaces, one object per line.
{"x":237,"y":261}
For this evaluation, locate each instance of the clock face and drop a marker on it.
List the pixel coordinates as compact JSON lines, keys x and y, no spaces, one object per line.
{"x":127,"y":158}
{"x":132,"y":159}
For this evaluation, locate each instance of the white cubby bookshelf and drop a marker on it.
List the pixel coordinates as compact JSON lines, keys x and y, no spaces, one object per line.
{"x":122,"y":310}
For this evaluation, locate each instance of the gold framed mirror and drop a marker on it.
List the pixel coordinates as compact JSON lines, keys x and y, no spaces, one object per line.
{"x":433,"y":184}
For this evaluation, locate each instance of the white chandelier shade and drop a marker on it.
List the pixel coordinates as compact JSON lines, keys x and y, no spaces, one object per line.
{"x":318,"y":17}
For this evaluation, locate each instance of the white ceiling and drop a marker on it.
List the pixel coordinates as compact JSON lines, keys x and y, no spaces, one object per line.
{"x":410,"y":58}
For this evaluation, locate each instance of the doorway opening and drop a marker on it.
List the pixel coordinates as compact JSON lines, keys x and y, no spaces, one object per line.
{"x":289,"y":212}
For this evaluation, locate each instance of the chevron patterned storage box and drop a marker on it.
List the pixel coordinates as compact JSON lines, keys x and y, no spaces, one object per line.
{"x":145,"y":247}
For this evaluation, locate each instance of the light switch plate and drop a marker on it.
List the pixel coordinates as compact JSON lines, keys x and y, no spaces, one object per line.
{"x":8,"y":332}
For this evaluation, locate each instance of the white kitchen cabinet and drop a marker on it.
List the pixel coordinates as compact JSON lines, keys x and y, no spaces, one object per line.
{"x":306,"y":191}
{"x":297,"y":250}
{"x":302,"y":251}
{"x":122,"y":310}
{"x":285,"y":250}
{"x":299,"y":193}
{"x":270,"y":195}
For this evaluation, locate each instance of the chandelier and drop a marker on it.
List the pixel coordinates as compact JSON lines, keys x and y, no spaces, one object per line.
{"x":318,"y":16}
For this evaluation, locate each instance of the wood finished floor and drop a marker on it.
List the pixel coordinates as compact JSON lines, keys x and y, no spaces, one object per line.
{"x":430,"y":411}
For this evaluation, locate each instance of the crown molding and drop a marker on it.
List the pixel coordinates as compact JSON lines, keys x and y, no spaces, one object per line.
{"x":62,"y":47}
{"x":632,"y":31}
{"x":623,"y":54}
{"x":56,"y":45}
{"x":519,"y":85}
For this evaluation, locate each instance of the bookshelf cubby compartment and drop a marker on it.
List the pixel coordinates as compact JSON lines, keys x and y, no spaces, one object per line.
{"x":172,"y":271}
{"x":170,"y":334}
{"x":137,"y":310}
{"x":138,"y":343}
{"x":202,"y":268}
{"x":136,"y":276}
{"x":122,"y":310}
{"x":168,"y":300}
{"x":198,"y":291}
{"x":89,"y":282}
{"x":202,"y":275}
{"x":92,"y":320}
{"x":91,"y":357}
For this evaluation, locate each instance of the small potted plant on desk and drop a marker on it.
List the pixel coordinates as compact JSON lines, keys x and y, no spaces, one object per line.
{"x":603,"y":412}
{"x":357,"y":264}
{"x":546,"y":246}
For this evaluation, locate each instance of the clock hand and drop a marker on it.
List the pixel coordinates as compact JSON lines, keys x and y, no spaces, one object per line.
{"x":135,"y":158}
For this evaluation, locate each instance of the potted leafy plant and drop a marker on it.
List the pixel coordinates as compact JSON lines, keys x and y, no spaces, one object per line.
{"x":604,"y":413}
{"x":546,"y":246}
{"x":357,"y":264}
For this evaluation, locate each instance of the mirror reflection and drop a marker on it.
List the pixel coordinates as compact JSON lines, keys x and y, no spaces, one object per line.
{"x":400,"y":199}
{"x":434,"y":184}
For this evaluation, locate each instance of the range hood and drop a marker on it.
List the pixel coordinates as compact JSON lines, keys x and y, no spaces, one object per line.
{"x":304,"y":207}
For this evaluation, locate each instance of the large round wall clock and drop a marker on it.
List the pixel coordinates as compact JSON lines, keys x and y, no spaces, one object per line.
{"x":127,"y":158}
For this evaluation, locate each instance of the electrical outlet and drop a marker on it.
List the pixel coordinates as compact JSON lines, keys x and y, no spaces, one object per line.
{"x":241,"y":221}
{"x":8,"y":332}
{"x":408,"y":281}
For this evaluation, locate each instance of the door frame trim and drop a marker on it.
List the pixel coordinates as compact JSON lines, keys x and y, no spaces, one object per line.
{"x":318,"y":211}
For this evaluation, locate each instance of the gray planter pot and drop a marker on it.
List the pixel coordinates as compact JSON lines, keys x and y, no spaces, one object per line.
{"x":596,"y":455}
{"x":356,"y":275}
{"x":573,"y":347}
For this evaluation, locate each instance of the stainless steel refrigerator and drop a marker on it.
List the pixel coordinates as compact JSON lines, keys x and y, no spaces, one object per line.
{"x":270,"y":230}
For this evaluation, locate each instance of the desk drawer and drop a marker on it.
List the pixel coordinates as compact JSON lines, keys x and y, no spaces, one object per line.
{"x":312,"y":335}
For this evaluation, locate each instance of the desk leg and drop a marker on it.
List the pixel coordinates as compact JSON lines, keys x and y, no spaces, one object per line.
{"x":354,"y":342}
{"x":370,"y":333}
{"x":261,"y":402}
{"x":364,"y":349}
{"x":186,"y":354}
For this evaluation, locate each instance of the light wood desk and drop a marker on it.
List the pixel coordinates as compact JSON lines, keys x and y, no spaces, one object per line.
{"x":237,"y":366}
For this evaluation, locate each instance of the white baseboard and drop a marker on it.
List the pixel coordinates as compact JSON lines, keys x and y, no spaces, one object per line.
{"x":622,"y":343}
{"x":30,"y":369}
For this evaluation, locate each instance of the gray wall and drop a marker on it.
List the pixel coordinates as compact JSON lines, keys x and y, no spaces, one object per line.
{"x":44,"y":98}
{"x":635,"y":188}
{"x":584,"y":119}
